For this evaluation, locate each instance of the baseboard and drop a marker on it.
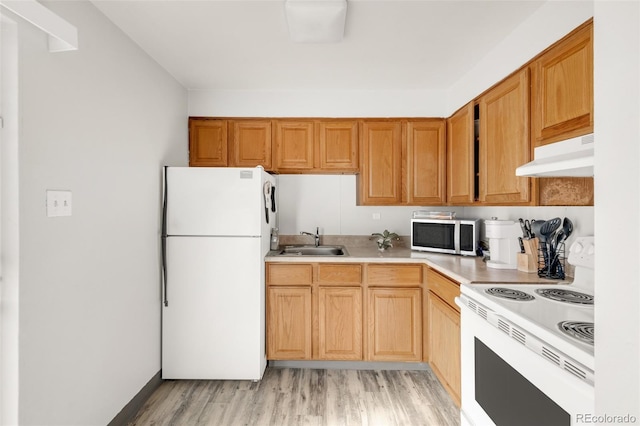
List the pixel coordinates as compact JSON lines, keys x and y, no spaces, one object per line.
{"x":131,"y":409}
{"x":351,"y":365}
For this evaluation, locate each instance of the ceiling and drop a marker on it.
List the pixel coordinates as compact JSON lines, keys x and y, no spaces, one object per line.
{"x":387,"y":45}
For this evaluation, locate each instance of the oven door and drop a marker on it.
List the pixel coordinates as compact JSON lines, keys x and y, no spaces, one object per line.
{"x":505,"y":383}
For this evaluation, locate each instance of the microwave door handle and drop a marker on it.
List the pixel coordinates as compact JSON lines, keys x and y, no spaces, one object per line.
{"x":456,"y":237}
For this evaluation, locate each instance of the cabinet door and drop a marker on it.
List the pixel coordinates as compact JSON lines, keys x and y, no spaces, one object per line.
{"x":444,"y":344}
{"x":337,"y":144}
{"x":207,"y":142}
{"x":250,"y":143}
{"x":460,"y":157}
{"x":426,"y":162}
{"x":293,"y":145}
{"x":380,"y":178}
{"x":289,"y":323}
{"x":504,"y":141}
{"x":340,"y":323}
{"x":394,"y":324}
{"x":562,"y":81}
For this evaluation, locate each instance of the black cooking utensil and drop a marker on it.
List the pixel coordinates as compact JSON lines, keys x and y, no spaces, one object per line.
{"x":567,"y":228}
{"x":546,"y":231}
{"x":559,"y":238}
{"x":527,"y":226}
{"x":535,"y":227}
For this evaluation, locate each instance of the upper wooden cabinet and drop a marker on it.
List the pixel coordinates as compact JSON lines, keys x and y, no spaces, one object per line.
{"x":208,"y":142}
{"x":293,"y":145}
{"x":461,"y":156}
{"x":562,"y":83}
{"x":337,"y":145}
{"x":425,"y":161}
{"x":250,"y":143}
{"x":504,"y":141}
{"x":562,"y":107}
{"x":380,"y":179}
{"x":403,"y":162}
{"x":312,"y":146}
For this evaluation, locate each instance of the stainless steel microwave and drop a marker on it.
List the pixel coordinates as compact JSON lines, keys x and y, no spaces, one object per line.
{"x":453,"y":236}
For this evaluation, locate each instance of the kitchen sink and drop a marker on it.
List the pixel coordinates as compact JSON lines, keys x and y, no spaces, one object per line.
{"x":310,"y":250}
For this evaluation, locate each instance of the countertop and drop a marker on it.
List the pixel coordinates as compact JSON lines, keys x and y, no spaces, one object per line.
{"x":464,"y":269}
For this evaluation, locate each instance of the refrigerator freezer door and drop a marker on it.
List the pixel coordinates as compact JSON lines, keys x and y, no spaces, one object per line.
{"x":213,"y":326}
{"x":215,"y":201}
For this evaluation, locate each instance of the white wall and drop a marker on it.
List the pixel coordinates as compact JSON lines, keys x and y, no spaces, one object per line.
{"x":316,"y":103}
{"x":549,"y":23}
{"x":617,"y":199}
{"x":329,"y":202}
{"x":100,"y":122}
{"x":9,"y":221}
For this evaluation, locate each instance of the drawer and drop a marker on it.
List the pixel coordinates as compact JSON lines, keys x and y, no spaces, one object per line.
{"x":289,"y":274}
{"x":340,"y":274}
{"x":443,"y":287}
{"x":389,"y":275}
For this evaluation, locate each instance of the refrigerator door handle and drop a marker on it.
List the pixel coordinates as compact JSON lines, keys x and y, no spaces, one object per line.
{"x":165,"y":301}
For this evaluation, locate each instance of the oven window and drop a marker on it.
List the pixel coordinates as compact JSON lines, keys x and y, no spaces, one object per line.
{"x":434,"y":235}
{"x":510,"y":399}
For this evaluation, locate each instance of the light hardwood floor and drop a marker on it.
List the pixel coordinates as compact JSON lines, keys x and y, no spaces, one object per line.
{"x":291,"y":396}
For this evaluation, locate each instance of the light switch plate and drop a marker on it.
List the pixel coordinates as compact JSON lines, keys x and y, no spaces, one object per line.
{"x":58,"y":203}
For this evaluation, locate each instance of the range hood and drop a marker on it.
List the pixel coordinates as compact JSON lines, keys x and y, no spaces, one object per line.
{"x":571,"y":157}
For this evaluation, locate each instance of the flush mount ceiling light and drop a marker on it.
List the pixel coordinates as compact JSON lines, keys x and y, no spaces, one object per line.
{"x":316,"y":21}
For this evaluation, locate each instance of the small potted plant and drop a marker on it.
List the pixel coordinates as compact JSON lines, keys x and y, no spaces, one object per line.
{"x":384,"y":240}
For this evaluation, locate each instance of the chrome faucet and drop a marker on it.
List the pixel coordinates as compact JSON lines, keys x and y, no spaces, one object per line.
{"x":316,"y":236}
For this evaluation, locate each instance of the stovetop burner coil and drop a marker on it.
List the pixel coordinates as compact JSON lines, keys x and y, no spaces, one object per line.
{"x":568,"y":296}
{"x":579,"y":330}
{"x":509,"y":293}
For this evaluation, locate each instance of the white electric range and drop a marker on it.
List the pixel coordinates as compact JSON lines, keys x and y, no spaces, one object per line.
{"x":527,"y":351}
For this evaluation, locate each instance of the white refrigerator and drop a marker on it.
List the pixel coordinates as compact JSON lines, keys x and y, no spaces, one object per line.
{"x":216,"y":232}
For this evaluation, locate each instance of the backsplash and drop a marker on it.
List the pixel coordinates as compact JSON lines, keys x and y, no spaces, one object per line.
{"x":329,"y":203}
{"x":342,"y":240}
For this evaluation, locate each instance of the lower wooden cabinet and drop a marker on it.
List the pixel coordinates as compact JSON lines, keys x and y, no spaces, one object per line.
{"x":443,"y":334}
{"x":289,"y":323}
{"x":340,"y":323}
{"x":314,"y":311}
{"x":395,"y":324}
{"x":319,"y":311}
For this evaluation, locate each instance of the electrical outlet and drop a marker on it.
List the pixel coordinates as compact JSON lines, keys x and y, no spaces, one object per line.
{"x":375,"y":216}
{"x":58,"y":203}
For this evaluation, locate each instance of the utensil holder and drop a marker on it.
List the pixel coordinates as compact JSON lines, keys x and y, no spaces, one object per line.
{"x":551,"y":264}
{"x":528,"y":261}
